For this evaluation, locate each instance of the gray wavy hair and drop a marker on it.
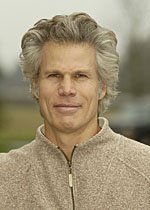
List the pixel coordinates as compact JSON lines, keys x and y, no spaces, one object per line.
{"x":75,"y":28}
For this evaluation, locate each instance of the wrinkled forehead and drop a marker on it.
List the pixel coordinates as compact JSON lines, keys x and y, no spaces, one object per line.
{"x":68,"y":56}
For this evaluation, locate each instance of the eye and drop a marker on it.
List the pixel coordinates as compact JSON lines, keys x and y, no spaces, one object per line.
{"x":54,"y":75}
{"x":81,"y":75}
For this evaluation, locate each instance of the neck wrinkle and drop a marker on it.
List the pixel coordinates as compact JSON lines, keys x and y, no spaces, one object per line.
{"x":67,"y":141}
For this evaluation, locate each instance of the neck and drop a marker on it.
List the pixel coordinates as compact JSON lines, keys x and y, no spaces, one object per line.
{"x":67,"y":141}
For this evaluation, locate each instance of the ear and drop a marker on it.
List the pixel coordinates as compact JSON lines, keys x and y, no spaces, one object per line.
{"x":102,"y":91}
{"x":34,"y":89}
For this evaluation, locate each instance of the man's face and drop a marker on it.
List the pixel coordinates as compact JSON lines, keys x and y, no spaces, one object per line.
{"x":68,"y":87}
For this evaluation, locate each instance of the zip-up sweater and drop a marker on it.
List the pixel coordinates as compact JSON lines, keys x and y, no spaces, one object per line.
{"x":106,"y":172}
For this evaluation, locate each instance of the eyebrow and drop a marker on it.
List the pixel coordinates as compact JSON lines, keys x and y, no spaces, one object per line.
{"x":74,"y":72}
{"x":51,"y":71}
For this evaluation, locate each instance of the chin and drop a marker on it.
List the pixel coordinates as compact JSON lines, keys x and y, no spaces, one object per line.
{"x":68,"y":127}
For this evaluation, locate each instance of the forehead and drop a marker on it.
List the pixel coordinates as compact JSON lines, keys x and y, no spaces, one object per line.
{"x":52,"y":46}
{"x":68,"y":55}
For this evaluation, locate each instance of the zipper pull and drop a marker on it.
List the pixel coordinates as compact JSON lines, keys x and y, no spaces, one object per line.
{"x":70,"y":180}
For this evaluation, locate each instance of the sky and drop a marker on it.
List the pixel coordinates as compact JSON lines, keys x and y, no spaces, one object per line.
{"x":17,"y":16}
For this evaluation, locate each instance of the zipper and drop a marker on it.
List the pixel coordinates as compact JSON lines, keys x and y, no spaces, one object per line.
{"x":70,"y":177}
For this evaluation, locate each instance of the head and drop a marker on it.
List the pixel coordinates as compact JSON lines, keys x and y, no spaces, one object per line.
{"x":77,"y":28}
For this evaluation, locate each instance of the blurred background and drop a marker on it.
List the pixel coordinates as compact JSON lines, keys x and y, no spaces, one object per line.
{"x":130,"y":20}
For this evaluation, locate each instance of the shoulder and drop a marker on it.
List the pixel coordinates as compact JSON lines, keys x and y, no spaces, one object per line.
{"x":15,"y":173}
{"x":135,"y":155}
{"x":15,"y":163}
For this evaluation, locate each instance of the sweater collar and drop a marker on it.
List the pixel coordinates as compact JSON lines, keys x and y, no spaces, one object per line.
{"x":105,"y":133}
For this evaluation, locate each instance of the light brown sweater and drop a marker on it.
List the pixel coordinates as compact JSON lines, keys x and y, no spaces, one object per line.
{"x":107,"y":172}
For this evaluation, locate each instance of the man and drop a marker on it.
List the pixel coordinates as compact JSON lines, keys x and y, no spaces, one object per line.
{"x":76,"y":161}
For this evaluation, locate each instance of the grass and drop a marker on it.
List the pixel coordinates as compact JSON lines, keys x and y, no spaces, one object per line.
{"x":18,"y":125}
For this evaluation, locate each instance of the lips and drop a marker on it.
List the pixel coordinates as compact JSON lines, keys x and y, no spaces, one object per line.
{"x":67,"y":105}
{"x":67,"y":108}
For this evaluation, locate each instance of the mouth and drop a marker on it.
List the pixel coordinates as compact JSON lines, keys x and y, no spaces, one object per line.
{"x":67,"y":108}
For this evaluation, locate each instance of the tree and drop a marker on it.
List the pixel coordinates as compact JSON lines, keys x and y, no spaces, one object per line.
{"x":1,"y":102}
{"x":135,"y":74}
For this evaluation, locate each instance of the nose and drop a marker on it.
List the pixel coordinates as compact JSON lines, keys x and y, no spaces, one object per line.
{"x":66,"y":87}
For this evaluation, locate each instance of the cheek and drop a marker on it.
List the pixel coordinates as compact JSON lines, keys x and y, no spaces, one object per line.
{"x":91,"y":90}
{"x":91,"y":96}
{"x":44,"y":90}
{"x":44,"y":97}
{"x":95,"y":95}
